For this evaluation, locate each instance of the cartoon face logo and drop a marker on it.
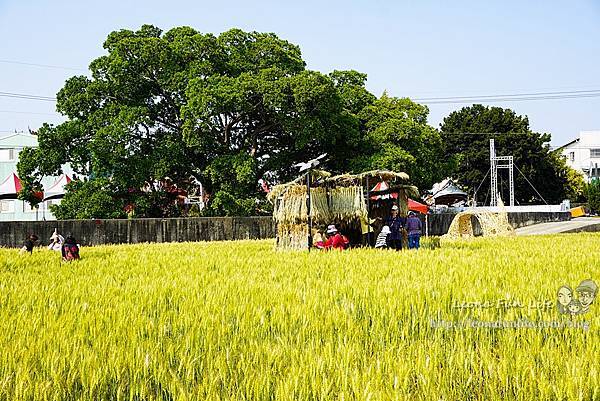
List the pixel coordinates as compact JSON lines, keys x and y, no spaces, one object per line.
{"x":586,"y":294}
{"x":574,"y":307}
{"x":565,"y":295}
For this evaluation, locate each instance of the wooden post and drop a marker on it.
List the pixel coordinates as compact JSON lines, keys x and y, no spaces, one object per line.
{"x":308,"y":205}
{"x":368,"y":211}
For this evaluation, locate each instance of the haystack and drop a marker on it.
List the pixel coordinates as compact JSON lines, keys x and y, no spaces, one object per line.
{"x":341,"y":200}
{"x":491,"y":223}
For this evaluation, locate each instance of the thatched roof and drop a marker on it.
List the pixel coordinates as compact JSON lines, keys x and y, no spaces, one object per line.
{"x":409,"y":190}
{"x":321,"y":177}
{"x":385,"y":175}
{"x":278,"y":190}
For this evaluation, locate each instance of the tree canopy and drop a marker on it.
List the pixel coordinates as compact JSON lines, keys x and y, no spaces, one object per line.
{"x":397,"y":137}
{"x":225,"y":110}
{"x":164,"y":110}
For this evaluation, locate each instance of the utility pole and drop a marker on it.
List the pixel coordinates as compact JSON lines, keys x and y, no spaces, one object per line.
{"x":497,"y":162}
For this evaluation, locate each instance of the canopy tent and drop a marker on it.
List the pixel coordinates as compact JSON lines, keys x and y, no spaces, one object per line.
{"x":448,"y":193}
{"x":417,"y":207}
{"x":380,"y":191}
{"x":57,"y":190}
{"x":10,"y":187}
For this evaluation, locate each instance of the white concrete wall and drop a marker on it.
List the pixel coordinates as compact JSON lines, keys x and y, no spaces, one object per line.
{"x":512,"y":209}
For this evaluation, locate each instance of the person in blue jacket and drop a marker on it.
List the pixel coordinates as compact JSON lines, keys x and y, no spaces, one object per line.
{"x":413,"y":226}
{"x":395,"y":223}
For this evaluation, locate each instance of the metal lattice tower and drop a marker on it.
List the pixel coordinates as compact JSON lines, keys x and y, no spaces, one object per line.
{"x":493,"y":175}
{"x":497,"y":162}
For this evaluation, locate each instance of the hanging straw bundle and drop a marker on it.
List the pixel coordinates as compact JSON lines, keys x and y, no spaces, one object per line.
{"x":347,"y":203}
{"x":319,"y":208}
{"x":291,"y":206}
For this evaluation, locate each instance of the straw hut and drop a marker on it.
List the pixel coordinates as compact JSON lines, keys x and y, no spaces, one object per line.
{"x":343,"y":200}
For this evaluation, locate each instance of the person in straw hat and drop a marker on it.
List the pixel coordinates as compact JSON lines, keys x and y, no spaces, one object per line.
{"x":318,"y":239}
{"x":335,"y":240}
{"x":56,"y":241}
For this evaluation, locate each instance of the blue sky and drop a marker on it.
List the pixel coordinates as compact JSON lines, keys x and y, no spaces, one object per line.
{"x":416,"y":49}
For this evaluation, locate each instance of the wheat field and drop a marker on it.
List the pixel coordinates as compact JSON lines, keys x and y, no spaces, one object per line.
{"x":241,"y":321}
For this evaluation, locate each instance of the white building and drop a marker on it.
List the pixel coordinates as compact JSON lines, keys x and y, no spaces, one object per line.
{"x":583,"y":154}
{"x":14,"y":209}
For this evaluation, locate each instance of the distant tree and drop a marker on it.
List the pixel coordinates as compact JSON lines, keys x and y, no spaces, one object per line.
{"x":466,"y":134}
{"x":226,"y":109}
{"x":592,"y":193}
{"x":575,"y":183}
{"x":397,"y":137}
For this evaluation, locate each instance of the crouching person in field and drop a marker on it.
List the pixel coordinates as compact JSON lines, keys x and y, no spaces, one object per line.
{"x":318,"y":241}
{"x":70,"y":249}
{"x":335,"y":240}
{"x":29,"y":243}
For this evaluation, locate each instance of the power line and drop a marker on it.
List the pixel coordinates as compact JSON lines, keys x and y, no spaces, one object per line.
{"x":27,"y":112}
{"x":27,"y":97}
{"x":431,"y":100}
{"x":593,"y":146}
{"x":536,"y":191}
{"x":510,"y":97}
{"x":57,"y":67}
{"x":482,"y":181}
{"x":513,"y":90}
{"x":506,"y":99}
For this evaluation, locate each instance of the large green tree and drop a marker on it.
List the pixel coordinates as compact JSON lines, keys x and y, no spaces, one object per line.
{"x":397,"y":137}
{"x":466,"y":134}
{"x":225,"y":110}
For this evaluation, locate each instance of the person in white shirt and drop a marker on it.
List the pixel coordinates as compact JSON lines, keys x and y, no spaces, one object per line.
{"x":382,"y":241}
{"x":57,"y":241}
